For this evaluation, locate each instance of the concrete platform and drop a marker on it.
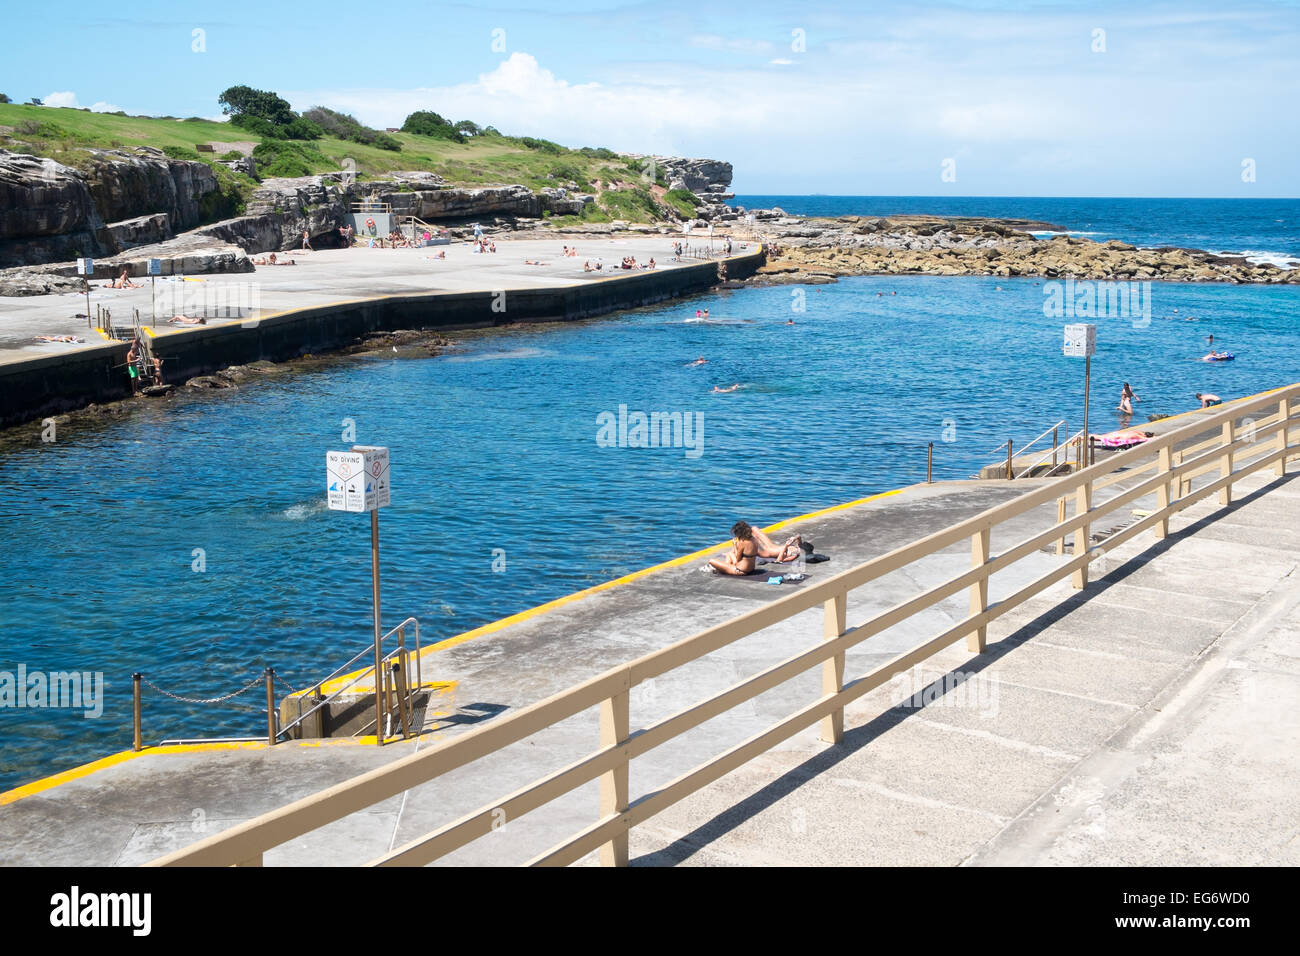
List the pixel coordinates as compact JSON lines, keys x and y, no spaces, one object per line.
{"x":326,"y":276}
{"x":1123,"y":702}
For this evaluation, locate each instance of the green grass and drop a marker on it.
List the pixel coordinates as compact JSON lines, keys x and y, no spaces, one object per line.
{"x":65,"y":134}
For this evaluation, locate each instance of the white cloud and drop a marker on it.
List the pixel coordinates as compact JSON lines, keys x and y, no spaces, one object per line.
{"x":521,"y":97}
{"x":779,"y":62}
{"x":68,"y":100}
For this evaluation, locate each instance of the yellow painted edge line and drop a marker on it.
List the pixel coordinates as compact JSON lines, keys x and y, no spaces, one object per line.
{"x":530,"y":613}
{"x":85,"y":770}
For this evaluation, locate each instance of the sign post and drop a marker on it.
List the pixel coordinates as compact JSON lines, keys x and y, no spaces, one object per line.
{"x":86,"y":269}
{"x":357,"y":480}
{"x":1081,"y":340}
{"x":155,"y":270}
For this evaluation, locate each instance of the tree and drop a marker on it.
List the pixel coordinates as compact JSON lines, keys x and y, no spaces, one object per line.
{"x":429,"y":123}
{"x":5,"y":99}
{"x":246,"y":101}
{"x":467,"y":128}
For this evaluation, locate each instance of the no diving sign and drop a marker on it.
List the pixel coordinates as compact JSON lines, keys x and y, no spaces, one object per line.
{"x":357,"y":480}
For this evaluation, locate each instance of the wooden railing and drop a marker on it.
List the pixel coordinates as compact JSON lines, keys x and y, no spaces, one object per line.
{"x":1233,"y":456}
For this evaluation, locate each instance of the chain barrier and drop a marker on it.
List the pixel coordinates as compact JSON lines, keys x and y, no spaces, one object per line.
{"x":259,"y":679}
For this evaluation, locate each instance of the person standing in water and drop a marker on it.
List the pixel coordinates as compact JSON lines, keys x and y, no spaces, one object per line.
{"x":1126,"y":400}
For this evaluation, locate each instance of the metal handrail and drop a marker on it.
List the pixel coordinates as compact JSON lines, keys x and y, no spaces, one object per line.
{"x":399,"y":630}
{"x":1032,"y":442}
{"x":1069,"y":439}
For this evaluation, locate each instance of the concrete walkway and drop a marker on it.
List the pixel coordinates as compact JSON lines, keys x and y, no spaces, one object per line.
{"x":1149,"y":720}
{"x":328,"y":275}
{"x":1063,"y":712}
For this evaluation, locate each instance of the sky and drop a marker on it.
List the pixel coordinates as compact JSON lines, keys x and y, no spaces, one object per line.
{"x":879,"y":98}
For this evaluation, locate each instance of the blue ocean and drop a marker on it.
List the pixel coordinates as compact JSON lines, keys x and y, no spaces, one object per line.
{"x":1263,"y":229}
{"x":191,"y":541}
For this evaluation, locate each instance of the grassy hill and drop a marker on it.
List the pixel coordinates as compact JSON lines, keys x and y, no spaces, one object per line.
{"x":65,"y":135}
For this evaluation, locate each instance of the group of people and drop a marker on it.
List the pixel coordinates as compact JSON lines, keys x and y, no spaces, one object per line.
{"x":274,"y":260}
{"x":138,"y":364}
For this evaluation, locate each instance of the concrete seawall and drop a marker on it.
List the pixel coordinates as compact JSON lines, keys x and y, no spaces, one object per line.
{"x":52,"y":384}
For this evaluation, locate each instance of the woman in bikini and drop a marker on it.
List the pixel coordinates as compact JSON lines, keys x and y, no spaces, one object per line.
{"x":744,"y":553}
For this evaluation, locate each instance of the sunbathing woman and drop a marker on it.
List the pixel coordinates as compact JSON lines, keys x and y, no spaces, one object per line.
{"x":744,"y":552}
{"x":784,"y":553}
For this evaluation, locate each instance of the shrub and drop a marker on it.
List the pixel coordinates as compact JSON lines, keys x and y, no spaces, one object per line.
{"x":229,"y":199}
{"x":300,"y":128}
{"x":231,"y":156}
{"x":384,"y":141}
{"x":598,"y":152}
{"x":5,"y":99}
{"x":541,"y":145}
{"x":256,"y":125}
{"x":279,"y":157}
{"x":180,"y":152}
{"x":635,"y":203}
{"x":571,"y":171}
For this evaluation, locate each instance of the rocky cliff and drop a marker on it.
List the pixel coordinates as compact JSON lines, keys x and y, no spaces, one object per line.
{"x":50,"y":212}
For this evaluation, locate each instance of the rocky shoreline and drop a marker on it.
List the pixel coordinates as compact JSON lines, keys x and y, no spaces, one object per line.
{"x":821,"y":250}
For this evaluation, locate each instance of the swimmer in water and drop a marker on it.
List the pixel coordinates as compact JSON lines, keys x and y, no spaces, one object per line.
{"x":729,"y":388}
{"x":699,"y":361}
{"x":1215,"y":356}
{"x":1126,"y":399}
{"x":789,"y":322}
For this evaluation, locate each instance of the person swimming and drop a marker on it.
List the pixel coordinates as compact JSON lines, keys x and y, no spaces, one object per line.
{"x":729,"y":388}
{"x":1215,"y":356}
{"x":699,"y":361}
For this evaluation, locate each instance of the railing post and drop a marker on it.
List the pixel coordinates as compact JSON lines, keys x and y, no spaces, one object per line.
{"x":929,"y":464}
{"x":979,"y":591}
{"x":1054,"y":447}
{"x":135,"y":710}
{"x":1060,"y":516}
{"x":270,"y":707}
{"x":1283,"y":435}
{"x":399,"y":679}
{"x":615,"y":723}
{"x":1082,"y":534}
{"x":834,"y":624}
{"x":1163,"y":492}
{"x":1010,"y":475}
{"x":1225,"y":463}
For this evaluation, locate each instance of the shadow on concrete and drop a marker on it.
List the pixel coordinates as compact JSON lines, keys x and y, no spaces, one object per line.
{"x":858,"y":737}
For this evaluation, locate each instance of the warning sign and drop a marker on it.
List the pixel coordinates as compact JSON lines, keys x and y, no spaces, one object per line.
{"x":357,"y":480}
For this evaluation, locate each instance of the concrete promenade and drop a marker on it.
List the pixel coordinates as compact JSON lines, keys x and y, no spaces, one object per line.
{"x":329,"y":275}
{"x":1147,"y":719}
{"x":329,"y":300}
